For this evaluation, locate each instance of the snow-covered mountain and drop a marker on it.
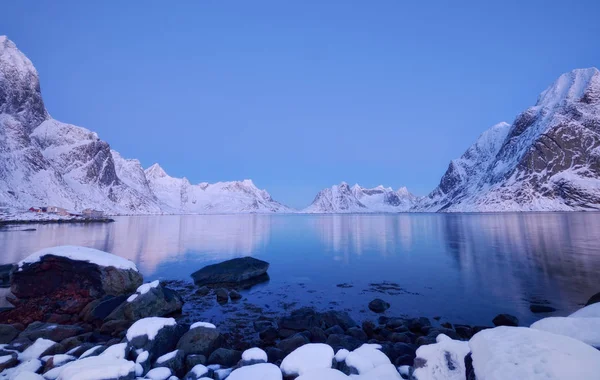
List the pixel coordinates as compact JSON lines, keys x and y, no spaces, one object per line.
{"x":222,"y":197}
{"x":356,"y":199}
{"x":46,"y":162}
{"x":547,"y":160}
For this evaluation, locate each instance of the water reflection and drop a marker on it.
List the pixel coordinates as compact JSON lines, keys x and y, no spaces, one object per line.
{"x":466,"y":266}
{"x":149,"y":241}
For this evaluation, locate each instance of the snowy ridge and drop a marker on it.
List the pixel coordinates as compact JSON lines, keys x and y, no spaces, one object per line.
{"x":356,"y":199}
{"x":222,"y":197}
{"x":46,"y":162}
{"x":547,"y":160}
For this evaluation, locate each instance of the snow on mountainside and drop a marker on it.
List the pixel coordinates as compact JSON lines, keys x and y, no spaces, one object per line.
{"x":345,"y":199}
{"x":221,"y":197}
{"x":46,"y":162}
{"x":547,"y":160}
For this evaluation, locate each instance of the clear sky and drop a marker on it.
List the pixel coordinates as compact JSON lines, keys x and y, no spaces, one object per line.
{"x":299,"y":95}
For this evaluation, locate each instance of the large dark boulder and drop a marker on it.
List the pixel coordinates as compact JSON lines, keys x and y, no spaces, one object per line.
{"x":244,"y":271}
{"x":200,"y":341}
{"x":98,"y":310}
{"x":54,"y":274}
{"x":225,"y":357}
{"x":54,"y":288}
{"x":50,"y":331}
{"x":8,"y":333}
{"x":593,"y":299}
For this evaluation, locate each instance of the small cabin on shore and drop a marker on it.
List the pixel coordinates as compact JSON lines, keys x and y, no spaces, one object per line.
{"x":92,"y":214}
{"x":57,"y":210}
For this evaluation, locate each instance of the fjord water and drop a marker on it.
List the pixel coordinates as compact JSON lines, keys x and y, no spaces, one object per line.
{"x":465,"y":268}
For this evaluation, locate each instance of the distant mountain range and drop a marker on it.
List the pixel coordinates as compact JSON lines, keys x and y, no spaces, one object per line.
{"x":356,"y":199}
{"x":547,"y":160}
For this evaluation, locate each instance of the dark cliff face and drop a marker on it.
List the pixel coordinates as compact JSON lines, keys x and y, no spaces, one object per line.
{"x":20,"y":94}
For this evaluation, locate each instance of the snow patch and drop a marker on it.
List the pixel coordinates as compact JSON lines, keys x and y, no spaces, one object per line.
{"x":76,"y":253}
{"x":308,"y":357}
{"x":149,"y":327}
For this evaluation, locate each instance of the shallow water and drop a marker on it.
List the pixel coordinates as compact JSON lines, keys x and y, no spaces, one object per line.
{"x":465,"y":268}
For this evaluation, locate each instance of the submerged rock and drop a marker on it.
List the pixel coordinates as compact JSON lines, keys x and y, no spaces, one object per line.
{"x":378,"y":305}
{"x":244,"y":271}
{"x":505,"y":320}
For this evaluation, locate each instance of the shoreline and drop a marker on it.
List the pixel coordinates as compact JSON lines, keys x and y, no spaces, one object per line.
{"x":54,"y":221}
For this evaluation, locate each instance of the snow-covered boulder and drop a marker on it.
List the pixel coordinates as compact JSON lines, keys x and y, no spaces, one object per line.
{"x":590,"y":311}
{"x":323,"y":374}
{"x":172,"y":360}
{"x":523,"y":353}
{"x":444,"y":360}
{"x":306,"y":358}
{"x":261,"y":371}
{"x":87,"y":270}
{"x":155,"y":335}
{"x":586,"y":330}
{"x":365,"y":358}
{"x":253,"y":356}
{"x":149,"y":300}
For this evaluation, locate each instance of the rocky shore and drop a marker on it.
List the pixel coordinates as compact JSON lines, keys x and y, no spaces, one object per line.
{"x":81,"y":313}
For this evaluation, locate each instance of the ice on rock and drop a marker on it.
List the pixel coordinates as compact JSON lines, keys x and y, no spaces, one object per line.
{"x":523,"y":353}
{"x":143,"y":289}
{"x":308,"y":357}
{"x":199,"y":370}
{"x":254,"y":354}
{"x":117,"y":351}
{"x":341,"y":355}
{"x":366,"y":357}
{"x":586,"y":330}
{"x":203,"y":324}
{"x":36,"y":349}
{"x":142,"y":357}
{"x":444,"y":360}
{"x":149,"y":327}
{"x":166,"y":357}
{"x":261,"y":371}
{"x":76,"y":253}
{"x":97,"y":368}
{"x":324,"y":374}
{"x":32,"y":365}
{"x":90,"y":352}
{"x":159,"y":373}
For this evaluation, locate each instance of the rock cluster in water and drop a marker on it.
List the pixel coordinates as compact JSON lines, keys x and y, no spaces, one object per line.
{"x":122,"y":329}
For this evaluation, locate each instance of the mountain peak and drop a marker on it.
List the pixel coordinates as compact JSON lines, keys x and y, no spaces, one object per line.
{"x":20,"y":85}
{"x":572,"y":86}
{"x":155,"y":171}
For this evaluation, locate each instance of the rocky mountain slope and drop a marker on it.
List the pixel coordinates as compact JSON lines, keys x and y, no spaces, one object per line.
{"x":46,"y":162}
{"x":356,"y":199}
{"x":547,"y":160}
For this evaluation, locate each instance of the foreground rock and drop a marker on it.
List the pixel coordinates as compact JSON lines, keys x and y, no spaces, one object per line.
{"x":522,"y":353}
{"x":239,"y":272}
{"x":55,"y":284}
{"x":149,"y":300}
{"x":79,"y":269}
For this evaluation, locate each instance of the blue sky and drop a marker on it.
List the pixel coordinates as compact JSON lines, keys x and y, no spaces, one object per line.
{"x":299,"y":95}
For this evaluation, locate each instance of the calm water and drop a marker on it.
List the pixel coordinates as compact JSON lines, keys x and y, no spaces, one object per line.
{"x":465,"y":268}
